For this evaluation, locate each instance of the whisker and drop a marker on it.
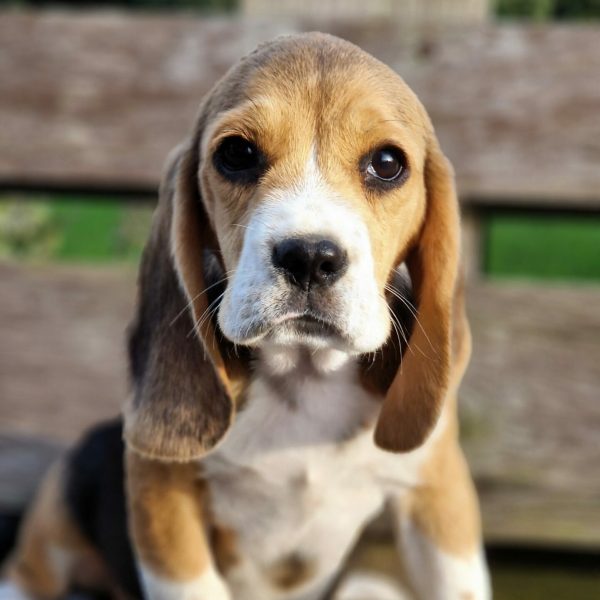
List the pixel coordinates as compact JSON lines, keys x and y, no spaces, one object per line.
{"x":254,"y":218}
{"x":395,"y":317}
{"x":396,"y":293}
{"x":209,"y":316}
{"x":395,"y":326}
{"x":189,"y":304}
{"x":408,"y":344}
{"x":207,"y":313}
{"x":215,"y":303}
{"x":399,"y":333}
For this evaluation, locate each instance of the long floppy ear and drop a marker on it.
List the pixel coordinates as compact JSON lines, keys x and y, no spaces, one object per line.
{"x":414,"y":400}
{"x":183,"y":393}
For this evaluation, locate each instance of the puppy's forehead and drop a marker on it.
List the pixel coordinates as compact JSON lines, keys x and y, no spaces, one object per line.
{"x":324,"y":70}
{"x":307,"y":88}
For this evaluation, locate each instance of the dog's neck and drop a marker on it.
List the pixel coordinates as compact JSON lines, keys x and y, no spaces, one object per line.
{"x":282,"y":361}
{"x":298,"y":398}
{"x":289,"y":371}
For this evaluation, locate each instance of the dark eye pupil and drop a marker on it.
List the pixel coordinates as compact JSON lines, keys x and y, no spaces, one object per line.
{"x":386,"y":163}
{"x":238,"y":154}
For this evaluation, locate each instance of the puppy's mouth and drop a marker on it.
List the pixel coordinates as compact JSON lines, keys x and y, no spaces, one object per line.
{"x":304,"y":328}
{"x":309,"y":325}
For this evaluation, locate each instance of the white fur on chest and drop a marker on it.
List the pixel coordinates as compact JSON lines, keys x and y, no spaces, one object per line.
{"x":294,"y":412}
{"x":299,"y":474}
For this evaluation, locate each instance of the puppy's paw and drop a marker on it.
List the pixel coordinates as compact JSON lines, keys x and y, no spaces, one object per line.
{"x":209,"y":586}
{"x":369,"y":586}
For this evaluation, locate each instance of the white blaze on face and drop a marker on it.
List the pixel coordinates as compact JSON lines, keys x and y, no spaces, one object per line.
{"x":257,"y":295}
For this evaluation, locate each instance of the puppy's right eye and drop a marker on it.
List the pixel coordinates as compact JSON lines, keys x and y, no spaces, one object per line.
{"x":238,"y":159}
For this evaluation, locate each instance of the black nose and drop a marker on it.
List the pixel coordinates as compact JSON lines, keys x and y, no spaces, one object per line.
{"x":307,"y":262}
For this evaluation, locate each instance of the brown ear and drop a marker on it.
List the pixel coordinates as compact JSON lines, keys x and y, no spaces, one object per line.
{"x":182,"y":401}
{"x":414,"y":400}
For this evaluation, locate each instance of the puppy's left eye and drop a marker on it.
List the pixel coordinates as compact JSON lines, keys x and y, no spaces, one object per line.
{"x":236,"y":158}
{"x":387,"y":164}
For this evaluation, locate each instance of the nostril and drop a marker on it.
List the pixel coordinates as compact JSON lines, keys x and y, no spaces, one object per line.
{"x":327,"y":267}
{"x":293,"y":257}
{"x":329,"y":263}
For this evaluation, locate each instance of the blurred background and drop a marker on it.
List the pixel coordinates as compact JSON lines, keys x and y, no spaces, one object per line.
{"x":93,"y":95}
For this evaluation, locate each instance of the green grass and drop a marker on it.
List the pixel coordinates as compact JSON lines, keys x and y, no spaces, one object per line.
{"x":67,"y":228}
{"x":90,"y":230}
{"x":543,"y":246}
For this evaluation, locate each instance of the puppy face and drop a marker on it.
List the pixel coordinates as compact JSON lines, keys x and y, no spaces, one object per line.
{"x":311,"y":174}
{"x":313,"y":182}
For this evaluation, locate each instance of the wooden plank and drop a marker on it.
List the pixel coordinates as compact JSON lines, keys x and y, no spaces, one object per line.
{"x":531,"y":410}
{"x":62,"y":349}
{"x":413,"y":12}
{"x":529,"y":402}
{"x":98,"y":99}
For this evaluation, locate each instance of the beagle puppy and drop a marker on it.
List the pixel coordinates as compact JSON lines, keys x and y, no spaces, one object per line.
{"x":299,"y":341}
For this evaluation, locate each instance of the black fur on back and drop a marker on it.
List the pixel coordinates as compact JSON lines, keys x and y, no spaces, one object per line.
{"x":95,"y":497}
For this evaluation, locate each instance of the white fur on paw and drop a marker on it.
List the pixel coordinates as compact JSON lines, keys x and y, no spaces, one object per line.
{"x":209,"y":586}
{"x":10,"y":591}
{"x":369,"y":586}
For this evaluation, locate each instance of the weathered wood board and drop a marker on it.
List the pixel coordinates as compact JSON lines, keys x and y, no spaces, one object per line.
{"x":531,"y":410}
{"x":98,"y":99}
{"x":62,"y":349}
{"x":529,"y":402}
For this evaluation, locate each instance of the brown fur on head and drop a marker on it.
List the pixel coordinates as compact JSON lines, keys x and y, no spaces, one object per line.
{"x":296,"y":97}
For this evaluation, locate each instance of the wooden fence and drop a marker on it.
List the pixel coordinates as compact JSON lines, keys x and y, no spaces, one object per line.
{"x":94,"y":102}
{"x":407,"y":11}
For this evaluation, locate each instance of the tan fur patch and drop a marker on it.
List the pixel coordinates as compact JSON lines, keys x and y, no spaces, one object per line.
{"x":166,"y":506}
{"x":461,"y":335}
{"x":444,"y":506}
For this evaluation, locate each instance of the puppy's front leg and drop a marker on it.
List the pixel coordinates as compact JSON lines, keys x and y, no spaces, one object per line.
{"x":438,"y":532}
{"x":166,"y":521}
